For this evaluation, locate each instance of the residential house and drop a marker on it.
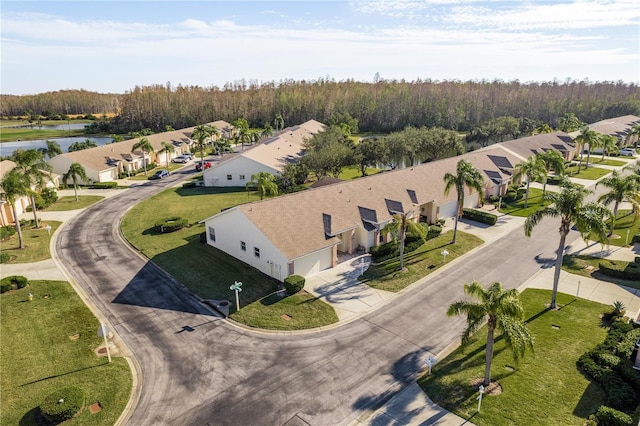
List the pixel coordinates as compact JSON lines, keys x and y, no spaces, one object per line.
{"x":620,"y":127}
{"x":537,"y":144}
{"x":269,"y":156}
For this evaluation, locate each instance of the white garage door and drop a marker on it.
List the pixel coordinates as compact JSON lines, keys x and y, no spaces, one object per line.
{"x":313,"y":263}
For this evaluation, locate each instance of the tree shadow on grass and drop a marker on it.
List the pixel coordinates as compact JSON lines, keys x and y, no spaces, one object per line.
{"x":31,"y":418}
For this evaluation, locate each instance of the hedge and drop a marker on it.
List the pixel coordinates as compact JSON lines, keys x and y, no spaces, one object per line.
{"x":620,"y":269}
{"x":391,"y":249}
{"x":294,"y":283}
{"x":608,"y":416}
{"x":191,"y":184}
{"x":480,"y":216}
{"x":62,"y":404}
{"x":13,"y":282}
{"x":104,"y":185}
{"x":171,"y":224}
{"x":434,"y":231}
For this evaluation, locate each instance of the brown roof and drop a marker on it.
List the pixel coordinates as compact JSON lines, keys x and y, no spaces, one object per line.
{"x":303,"y":222}
{"x":618,"y":126}
{"x":526,"y":147}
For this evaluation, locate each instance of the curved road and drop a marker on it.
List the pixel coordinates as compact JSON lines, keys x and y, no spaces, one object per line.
{"x":198,"y":369}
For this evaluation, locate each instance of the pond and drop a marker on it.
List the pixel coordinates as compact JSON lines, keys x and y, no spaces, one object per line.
{"x":7,"y":148}
{"x":69,"y":126}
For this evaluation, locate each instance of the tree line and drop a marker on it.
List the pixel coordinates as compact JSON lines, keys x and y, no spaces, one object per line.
{"x":384,"y":106}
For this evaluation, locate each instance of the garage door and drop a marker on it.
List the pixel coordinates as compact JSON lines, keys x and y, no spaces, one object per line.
{"x":313,"y":263}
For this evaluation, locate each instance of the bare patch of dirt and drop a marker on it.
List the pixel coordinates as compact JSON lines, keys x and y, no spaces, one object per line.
{"x":493,"y":389}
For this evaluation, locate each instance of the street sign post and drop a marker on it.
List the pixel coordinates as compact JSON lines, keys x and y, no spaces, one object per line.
{"x":237,"y":286}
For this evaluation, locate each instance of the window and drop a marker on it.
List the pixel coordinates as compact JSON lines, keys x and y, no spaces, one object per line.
{"x":241,"y":177}
{"x":229,"y":177}
{"x":256,"y":251}
{"x":243,"y":246}
{"x":212,"y":234}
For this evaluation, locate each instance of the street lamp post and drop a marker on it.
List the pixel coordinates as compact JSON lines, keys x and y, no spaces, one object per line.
{"x":237,"y":286}
{"x":444,"y":256}
{"x":479,"y":398}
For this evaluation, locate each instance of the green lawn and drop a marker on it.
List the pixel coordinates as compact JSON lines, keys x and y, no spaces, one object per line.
{"x":300,"y":311}
{"x":546,"y":387}
{"x":69,"y":203}
{"x":25,"y":134}
{"x":592,"y":173}
{"x":353,"y":172}
{"x":588,"y":266}
{"x":516,"y":208}
{"x":48,"y":344}
{"x":625,"y":228}
{"x":421,"y":262}
{"x":36,"y":243}
{"x":607,"y":162}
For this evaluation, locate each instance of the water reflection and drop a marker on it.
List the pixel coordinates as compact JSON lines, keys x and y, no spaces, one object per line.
{"x":7,"y":148}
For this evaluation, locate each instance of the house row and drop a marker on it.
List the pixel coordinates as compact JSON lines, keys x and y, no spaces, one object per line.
{"x":107,"y":162}
{"x":303,"y":233}
{"x":270,"y":156}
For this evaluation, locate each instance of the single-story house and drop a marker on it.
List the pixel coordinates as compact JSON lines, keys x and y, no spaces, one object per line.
{"x":537,"y":144}
{"x":302,"y":233}
{"x":620,"y":127}
{"x":269,"y":156}
{"x":105,"y":163}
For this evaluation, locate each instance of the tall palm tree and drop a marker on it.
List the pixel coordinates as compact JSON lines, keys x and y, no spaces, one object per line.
{"x":400,"y":224}
{"x":466,"y":176}
{"x":167,"y":148}
{"x":214,"y":135}
{"x":586,"y":137}
{"x":145,"y":146}
{"x":634,"y":135}
{"x":76,"y":173}
{"x":200,"y":134}
{"x":569,"y":204}
{"x":533,"y":168}
{"x":14,"y":185}
{"x":623,"y":188}
{"x":265,"y":184}
{"x":278,"y":122}
{"x":52,"y":149}
{"x":552,"y":160}
{"x":542,"y":128}
{"x":609,"y":144}
{"x":31,"y":163}
{"x":267,"y":132}
{"x":502,"y":311}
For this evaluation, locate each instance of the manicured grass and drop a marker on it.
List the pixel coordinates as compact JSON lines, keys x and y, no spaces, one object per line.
{"x":36,"y":243}
{"x":588,"y":266}
{"x":607,"y":162}
{"x":592,"y":173}
{"x":516,"y":208}
{"x":546,"y":387}
{"x":47,"y":344}
{"x":69,"y":202}
{"x":625,"y":228}
{"x":421,"y":262}
{"x":300,"y":311}
{"x":353,"y":172}
{"x":9,"y":134}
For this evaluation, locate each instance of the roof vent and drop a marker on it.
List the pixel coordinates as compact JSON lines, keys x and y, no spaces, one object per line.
{"x":369,"y":188}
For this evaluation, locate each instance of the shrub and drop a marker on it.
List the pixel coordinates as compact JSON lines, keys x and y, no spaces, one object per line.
{"x":7,"y":231}
{"x":620,"y":269}
{"x":636,"y":238}
{"x":4,"y":257}
{"x":441,"y":221}
{"x":5,"y":287}
{"x":14,"y":282}
{"x":636,"y":259}
{"x":62,"y":404}
{"x":494,"y":199}
{"x":434,"y":231}
{"x":191,"y":184}
{"x":294,"y":283}
{"x":608,"y":416}
{"x":624,"y":348}
{"x":480,"y":216}
{"x":170,"y":225}
{"x":104,"y":185}
{"x":383,"y":251}
{"x":47,"y":197}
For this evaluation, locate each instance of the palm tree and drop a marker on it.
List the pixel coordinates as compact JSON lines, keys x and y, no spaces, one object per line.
{"x":200,"y":134}
{"x":623,"y":188}
{"x":167,"y":148}
{"x":76,"y":173}
{"x":552,"y":160}
{"x":569,"y":204}
{"x":265,"y":184}
{"x":31,"y":164}
{"x":634,"y":134}
{"x":466,"y":176}
{"x":534,"y":169}
{"x":570,"y":123}
{"x":52,"y":149}
{"x":278,"y":122}
{"x":542,"y":128}
{"x":267,"y":132}
{"x":14,"y":185}
{"x":145,"y":146}
{"x":609,"y":144}
{"x":503,"y":311}
{"x":214,"y":135}
{"x":398,"y":228}
{"x":586,"y":137}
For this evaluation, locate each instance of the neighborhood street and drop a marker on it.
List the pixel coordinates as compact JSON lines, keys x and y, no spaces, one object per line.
{"x":198,"y":369}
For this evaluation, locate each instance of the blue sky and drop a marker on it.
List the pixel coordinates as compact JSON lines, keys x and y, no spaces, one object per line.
{"x":114,"y":46}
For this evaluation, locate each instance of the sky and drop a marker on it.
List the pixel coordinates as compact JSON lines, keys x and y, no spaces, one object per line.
{"x":111,"y":47}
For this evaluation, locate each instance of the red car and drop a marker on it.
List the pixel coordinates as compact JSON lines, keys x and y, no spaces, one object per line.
{"x":207,"y":165}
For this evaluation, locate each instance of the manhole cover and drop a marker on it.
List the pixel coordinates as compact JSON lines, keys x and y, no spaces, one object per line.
{"x":286,"y":317}
{"x":95,"y":408}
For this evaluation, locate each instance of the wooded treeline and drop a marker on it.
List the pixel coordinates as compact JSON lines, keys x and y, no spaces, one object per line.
{"x":384,"y":106}
{"x":60,"y":103}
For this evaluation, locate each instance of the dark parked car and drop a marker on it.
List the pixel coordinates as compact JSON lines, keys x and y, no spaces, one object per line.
{"x":160,"y":174}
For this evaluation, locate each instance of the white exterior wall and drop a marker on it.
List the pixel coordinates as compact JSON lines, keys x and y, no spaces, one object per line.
{"x":107,"y":176}
{"x":61,"y":164}
{"x":364,"y":238}
{"x":313,"y":263}
{"x":449,"y":209}
{"x":237,"y":166}
{"x":231,"y":227}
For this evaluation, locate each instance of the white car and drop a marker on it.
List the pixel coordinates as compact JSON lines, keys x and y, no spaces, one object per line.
{"x":628,"y":152}
{"x":181,"y":159}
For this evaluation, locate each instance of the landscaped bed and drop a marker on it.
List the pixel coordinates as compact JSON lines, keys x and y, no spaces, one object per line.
{"x":53,"y":339}
{"x":36,"y":242}
{"x":68,"y":202}
{"x":589,"y":266}
{"x":546,"y":387}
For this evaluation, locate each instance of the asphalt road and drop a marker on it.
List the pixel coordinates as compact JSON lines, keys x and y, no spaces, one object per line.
{"x":200,"y":370}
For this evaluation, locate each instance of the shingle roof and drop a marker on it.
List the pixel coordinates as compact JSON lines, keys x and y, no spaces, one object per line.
{"x":526,"y":147}
{"x":303,"y":222}
{"x":618,"y":126}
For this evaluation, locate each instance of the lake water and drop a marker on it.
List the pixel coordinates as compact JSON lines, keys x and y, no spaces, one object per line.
{"x":70,"y":126}
{"x":7,"y":148}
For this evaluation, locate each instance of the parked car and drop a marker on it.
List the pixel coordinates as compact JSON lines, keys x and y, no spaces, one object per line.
{"x":207,"y":165}
{"x":181,"y":159}
{"x":188,"y":155}
{"x":628,"y":152}
{"x":160,"y":174}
